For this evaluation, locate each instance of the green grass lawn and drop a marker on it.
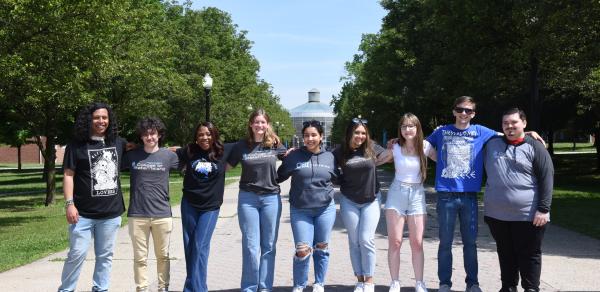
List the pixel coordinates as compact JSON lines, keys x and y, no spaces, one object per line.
{"x":30,"y":231}
{"x":579,"y":147}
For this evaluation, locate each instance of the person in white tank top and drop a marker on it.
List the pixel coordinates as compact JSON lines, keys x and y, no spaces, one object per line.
{"x":406,"y":199}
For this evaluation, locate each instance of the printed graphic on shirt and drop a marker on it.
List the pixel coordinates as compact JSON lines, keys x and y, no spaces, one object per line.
{"x":457,"y":152}
{"x":104,"y":171}
{"x":203,"y":168}
{"x":148,"y":165}
{"x":308,"y":164}
{"x":258,"y":155}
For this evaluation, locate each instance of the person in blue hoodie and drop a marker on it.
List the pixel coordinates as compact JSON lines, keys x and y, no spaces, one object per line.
{"x":312,"y":208}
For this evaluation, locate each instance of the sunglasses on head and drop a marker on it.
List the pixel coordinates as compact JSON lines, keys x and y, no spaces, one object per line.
{"x":359,"y":121}
{"x":311,"y":124}
{"x":467,"y":111}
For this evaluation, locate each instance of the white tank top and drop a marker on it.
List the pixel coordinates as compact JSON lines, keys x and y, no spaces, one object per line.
{"x":408,"y":168}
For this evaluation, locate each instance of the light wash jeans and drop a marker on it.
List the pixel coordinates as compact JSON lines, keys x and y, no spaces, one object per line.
{"x":310,"y":227}
{"x":361,"y":222}
{"x":258,"y":217}
{"x":198,"y":227}
{"x":104,"y":233}
{"x":449,"y":206}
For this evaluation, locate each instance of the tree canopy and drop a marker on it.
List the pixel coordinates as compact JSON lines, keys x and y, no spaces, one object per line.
{"x":542,"y":56}
{"x":145,"y":58}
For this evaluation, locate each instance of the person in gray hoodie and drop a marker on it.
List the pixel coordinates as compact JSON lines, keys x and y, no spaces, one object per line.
{"x":517,"y":201}
{"x":312,"y":208}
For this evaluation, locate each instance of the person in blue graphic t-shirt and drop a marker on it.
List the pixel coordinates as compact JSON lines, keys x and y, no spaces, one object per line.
{"x":458,"y":178}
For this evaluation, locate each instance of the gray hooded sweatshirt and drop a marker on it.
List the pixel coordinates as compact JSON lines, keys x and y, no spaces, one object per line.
{"x":312,"y":175}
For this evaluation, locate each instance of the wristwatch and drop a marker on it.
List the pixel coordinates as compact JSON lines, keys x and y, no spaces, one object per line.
{"x":69,"y":202}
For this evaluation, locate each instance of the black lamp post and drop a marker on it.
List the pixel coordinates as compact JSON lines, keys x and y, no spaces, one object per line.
{"x":207,"y":83}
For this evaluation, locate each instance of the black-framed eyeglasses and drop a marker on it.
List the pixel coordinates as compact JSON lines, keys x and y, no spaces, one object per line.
{"x":467,"y":111}
{"x":359,"y":121}
{"x":312,"y":123}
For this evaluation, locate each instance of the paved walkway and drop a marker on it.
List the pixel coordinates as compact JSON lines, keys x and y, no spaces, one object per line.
{"x":571,"y":260}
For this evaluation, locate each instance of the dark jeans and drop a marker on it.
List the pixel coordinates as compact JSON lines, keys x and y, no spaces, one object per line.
{"x":463,"y":206}
{"x":198,"y":227}
{"x":519,"y":246}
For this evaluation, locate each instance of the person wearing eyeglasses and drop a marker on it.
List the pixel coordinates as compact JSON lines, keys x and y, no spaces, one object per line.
{"x":517,"y":200}
{"x":459,"y":173}
{"x":458,"y":178}
{"x":259,"y":201}
{"x":360,"y":202}
{"x":312,"y":208}
{"x":405,"y":201}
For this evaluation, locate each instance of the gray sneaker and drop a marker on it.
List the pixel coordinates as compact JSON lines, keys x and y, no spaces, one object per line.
{"x":444,"y":288}
{"x":473,"y":288}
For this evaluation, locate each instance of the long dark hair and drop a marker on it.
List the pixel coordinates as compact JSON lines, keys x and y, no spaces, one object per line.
{"x":366,"y":147}
{"x":83,"y":123}
{"x":216,"y":148}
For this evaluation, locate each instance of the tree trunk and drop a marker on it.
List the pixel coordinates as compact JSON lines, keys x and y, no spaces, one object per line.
{"x":50,"y":169}
{"x":19,"y":165}
{"x":535,"y":103}
{"x":49,"y":154}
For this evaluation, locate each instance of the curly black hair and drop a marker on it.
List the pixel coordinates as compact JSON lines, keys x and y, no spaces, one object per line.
{"x":151,"y":123}
{"x":83,"y":123}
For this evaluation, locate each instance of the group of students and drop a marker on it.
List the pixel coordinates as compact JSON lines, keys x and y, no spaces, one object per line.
{"x":517,"y":198}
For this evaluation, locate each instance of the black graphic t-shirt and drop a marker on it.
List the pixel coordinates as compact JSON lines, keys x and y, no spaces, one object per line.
{"x":259,"y":170}
{"x":359,"y":181}
{"x":97,"y":187}
{"x":204,"y":180}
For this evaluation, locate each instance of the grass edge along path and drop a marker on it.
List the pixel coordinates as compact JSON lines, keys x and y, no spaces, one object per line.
{"x":30,"y":231}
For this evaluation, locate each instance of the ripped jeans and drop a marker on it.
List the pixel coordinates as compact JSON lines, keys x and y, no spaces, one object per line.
{"x":312,"y":229}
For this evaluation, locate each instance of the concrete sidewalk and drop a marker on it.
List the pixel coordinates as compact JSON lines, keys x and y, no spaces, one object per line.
{"x":571,"y":260}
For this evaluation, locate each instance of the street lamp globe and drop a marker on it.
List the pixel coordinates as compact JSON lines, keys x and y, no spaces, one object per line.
{"x":207,"y":82}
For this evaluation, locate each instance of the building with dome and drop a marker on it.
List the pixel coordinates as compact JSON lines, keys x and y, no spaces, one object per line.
{"x":312,"y":110}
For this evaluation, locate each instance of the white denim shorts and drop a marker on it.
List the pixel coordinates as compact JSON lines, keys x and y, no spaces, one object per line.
{"x":406,"y":198}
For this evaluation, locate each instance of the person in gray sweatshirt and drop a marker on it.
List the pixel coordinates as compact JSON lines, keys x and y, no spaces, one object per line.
{"x":312,"y":208}
{"x":517,"y":201}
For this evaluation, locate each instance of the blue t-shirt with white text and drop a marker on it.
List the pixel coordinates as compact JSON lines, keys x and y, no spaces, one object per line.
{"x":459,"y":166}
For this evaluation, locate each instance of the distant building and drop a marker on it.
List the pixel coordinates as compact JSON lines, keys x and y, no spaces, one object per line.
{"x":312,"y":110}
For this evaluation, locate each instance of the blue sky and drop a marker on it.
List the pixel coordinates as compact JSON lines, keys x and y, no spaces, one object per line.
{"x":302,"y":44}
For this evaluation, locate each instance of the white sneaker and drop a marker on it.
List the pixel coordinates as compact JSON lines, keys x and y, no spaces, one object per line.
{"x":473,"y":288}
{"x":444,"y":288}
{"x":420,"y":287}
{"x":369,"y":287}
{"x":359,"y":287}
{"x":395,"y":286}
{"x":318,"y":288}
{"x":297,"y":289}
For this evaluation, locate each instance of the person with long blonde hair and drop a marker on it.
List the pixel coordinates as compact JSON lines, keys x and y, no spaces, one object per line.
{"x":259,"y":201}
{"x":406,"y":199}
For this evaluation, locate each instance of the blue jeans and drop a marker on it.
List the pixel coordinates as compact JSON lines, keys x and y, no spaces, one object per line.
{"x":312,"y":227}
{"x":198,"y":227}
{"x":361,"y":222}
{"x":258,"y":216}
{"x":449,"y":205}
{"x":104,"y":233}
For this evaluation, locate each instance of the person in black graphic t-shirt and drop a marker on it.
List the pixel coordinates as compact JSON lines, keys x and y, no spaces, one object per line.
{"x":92,"y":191}
{"x":203,"y":188}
